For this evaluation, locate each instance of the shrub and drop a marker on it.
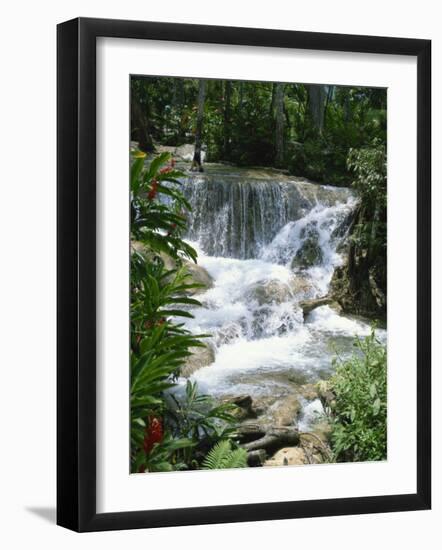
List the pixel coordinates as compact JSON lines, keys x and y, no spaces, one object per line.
{"x":166,"y":433}
{"x":359,"y":407}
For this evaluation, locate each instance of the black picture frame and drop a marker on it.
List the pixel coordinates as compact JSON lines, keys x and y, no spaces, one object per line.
{"x":77,"y":286}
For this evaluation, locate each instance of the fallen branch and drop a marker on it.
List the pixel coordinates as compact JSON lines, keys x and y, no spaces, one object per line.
{"x":274,"y":439}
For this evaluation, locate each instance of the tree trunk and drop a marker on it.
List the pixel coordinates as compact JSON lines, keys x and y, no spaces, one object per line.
{"x":197,"y":164}
{"x":274,"y":439}
{"x":316,"y":96}
{"x":227,"y":120}
{"x":140,"y":126}
{"x":327,"y":102}
{"x":279,"y":124}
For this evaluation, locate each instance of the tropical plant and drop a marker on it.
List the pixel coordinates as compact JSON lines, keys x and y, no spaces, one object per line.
{"x":359,"y":406}
{"x":308,"y":129}
{"x":158,"y":207}
{"x":223,"y":456}
{"x":166,"y":434}
{"x":201,"y":419}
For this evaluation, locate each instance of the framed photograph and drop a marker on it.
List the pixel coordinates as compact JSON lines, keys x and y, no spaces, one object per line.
{"x":243,"y":274}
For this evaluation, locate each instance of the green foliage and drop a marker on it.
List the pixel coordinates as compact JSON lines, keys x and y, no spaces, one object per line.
{"x":156,"y":222}
{"x":223,"y":456}
{"x":359,"y":409}
{"x":369,"y":166}
{"x":166,"y":433}
{"x":199,"y":418}
{"x":240,"y":122}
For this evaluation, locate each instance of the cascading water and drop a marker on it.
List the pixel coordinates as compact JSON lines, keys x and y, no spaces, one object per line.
{"x":268,"y":242}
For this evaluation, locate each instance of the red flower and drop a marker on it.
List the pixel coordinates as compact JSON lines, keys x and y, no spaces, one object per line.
{"x":166,"y":170}
{"x":153,"y":434}
{"x":153,"y":190}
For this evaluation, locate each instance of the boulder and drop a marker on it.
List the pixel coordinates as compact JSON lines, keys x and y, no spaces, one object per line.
{"x":309,"y":391}
{"x":198,"y":275}
{"x":308,"y":255}
{"x":269,"y":292}
{"x":288,"y":456}
{"x":280,"y":413}
{"x":201,"y":357}
{"x":185,"y":152}
{"x":286,"y":411}
{"x":244,"y":404}
{"x":300,"y":284}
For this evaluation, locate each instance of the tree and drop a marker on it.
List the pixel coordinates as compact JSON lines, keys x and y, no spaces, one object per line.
{"x":316,"y":96}
{"x":196,"y":164}
{"x":279,"y":124}
{"x":140,"y":120}
{"x":227,"y":119}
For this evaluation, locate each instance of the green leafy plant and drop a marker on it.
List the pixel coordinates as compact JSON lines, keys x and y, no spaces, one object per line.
{"x":359,"y":406}
{"x":166,"y":433}
{"x":223,"y":456}
{"x":158,"y":207}
{"x":202,"y":420}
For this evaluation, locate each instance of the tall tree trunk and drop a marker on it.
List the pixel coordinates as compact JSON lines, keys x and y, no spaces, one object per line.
{"x":227,"y":119}
{"x":197,"y":164}
{"x":327,"y":102}
{"x":347,"y":107}
{"x":316,"y":96}
{"x":140,"y":126}
{"x":279,"y":124}
{"x":180,"y":100}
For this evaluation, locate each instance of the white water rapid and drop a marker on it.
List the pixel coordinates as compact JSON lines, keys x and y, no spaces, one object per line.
{"x":268,"y":242}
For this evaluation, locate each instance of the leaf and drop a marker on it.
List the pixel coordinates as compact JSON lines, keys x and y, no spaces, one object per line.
{"x":376,"y":406}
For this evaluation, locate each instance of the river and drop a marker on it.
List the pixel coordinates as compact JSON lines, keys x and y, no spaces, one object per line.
{"x":269,"y":242}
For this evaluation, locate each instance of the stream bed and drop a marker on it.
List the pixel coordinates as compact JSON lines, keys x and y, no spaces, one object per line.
{"x":269,"y":242}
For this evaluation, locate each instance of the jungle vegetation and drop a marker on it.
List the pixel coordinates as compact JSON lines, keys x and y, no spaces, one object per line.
{"x":329,"y":134}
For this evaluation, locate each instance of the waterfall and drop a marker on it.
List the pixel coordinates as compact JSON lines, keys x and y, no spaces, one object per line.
{"x":233,"y":217}
{"x":236,"y":216}
{"x":268,"y":241}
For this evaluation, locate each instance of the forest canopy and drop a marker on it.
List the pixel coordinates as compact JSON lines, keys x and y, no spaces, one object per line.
{"x":307,"y":129}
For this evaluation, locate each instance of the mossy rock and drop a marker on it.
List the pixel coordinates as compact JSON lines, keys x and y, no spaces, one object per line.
{"x":308,"y":255}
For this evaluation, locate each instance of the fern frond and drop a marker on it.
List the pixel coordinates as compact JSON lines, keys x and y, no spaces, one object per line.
{"x":221,"y":456}
{"x":237,"y":459}
{"x":216,"y":455}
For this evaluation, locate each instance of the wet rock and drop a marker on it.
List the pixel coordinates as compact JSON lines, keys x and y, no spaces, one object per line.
{"x":245,"y":409}
{"x":227,"y":334}
{"x":282,"y":412}
{"x":300,"y":285}
{"x":256,"y":458}
{"x":269,"y":292}
{"x":308,"y":255}
{"x":288,"y":456}
{"x":326,"y":395}
{"x":309,"y":391}
{"x":201,"y":357}
{"x":150,"y":256}
{"x":308,"y":306}
{"x":197,"y":273}
{"x":186,"y":152}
